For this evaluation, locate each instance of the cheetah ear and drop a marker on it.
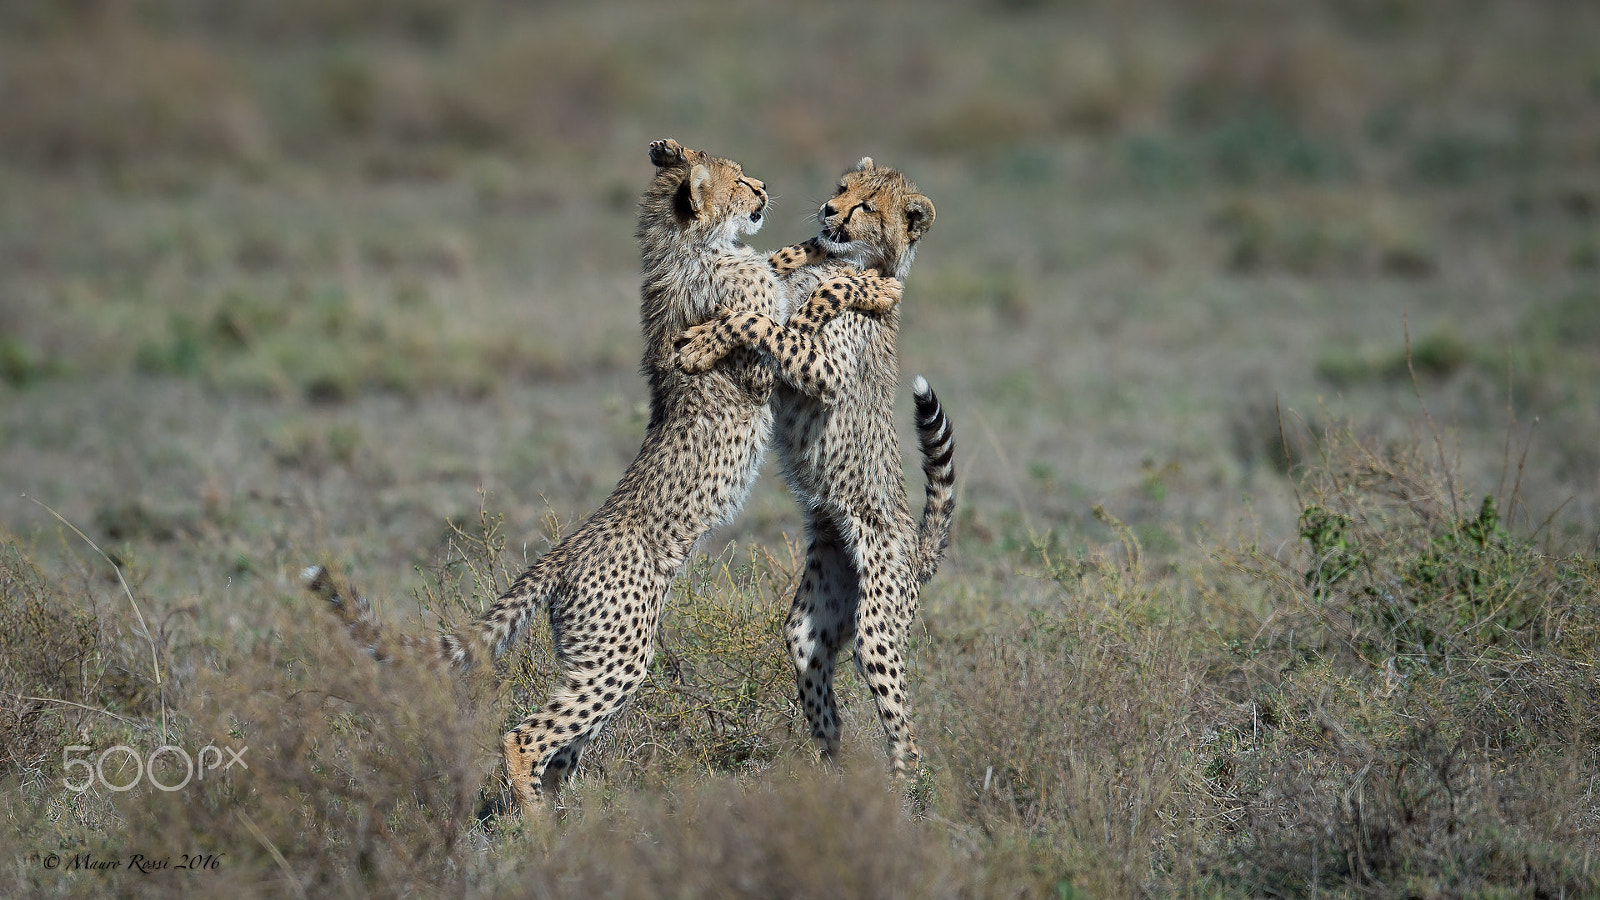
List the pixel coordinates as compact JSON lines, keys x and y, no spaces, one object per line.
{"x":699,"y":177}
{"x":919,"y":216}
{"x":865,"y":165}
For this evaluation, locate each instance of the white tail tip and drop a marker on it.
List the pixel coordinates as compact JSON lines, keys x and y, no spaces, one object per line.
{"x":919,"y":385}
{"x":310,"y":573}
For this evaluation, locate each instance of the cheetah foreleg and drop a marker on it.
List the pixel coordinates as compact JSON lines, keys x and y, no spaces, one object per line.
{"x":802,"y":354}
{"x":787,"y":260}
{"x":864,"y":291}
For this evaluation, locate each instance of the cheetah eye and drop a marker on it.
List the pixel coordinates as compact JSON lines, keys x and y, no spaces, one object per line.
{"x":839,"y":190}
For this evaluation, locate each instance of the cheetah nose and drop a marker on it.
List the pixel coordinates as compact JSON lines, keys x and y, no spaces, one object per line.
{"x":828,"y":211}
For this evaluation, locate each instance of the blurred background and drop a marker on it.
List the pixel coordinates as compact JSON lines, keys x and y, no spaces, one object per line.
{"x":1240,"y":308}
{"x":357,"y":258}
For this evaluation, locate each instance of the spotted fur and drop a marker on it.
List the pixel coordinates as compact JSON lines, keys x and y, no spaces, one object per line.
{"x":836,"y":440}
{"x":605,"y":583}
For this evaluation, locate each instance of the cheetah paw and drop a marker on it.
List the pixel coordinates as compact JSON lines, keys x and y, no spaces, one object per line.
{"x":868,"y":291}
{"x":700,"y":354}
{"x":667,"y":152}
{"x":698,"y":347}
{"x":888,"y":294}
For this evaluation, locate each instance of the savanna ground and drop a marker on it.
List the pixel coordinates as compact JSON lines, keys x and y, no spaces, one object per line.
{"x":1271,"y":334}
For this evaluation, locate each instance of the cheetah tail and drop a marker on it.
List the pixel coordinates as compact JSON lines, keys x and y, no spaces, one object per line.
{"x":351,"y":608}
{"x":501,"y":623}
{"x":362,"y":624}
{"x":938,"y":466}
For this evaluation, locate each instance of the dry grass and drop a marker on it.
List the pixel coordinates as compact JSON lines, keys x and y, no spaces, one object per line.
{"x":1401,"y":704}
{"x":62,"y":667}
{"x":1063,"y":737}
{"x":1417,"y":672}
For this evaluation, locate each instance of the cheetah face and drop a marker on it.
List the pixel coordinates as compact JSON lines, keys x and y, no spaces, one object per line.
{"x":875,"y":218}
{"x":712,"y":195}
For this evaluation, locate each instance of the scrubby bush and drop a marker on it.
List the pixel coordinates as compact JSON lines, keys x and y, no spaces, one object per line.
{"x":1400,"y":704}
{"x":1414,"y":685}
{"x":52,"y":655}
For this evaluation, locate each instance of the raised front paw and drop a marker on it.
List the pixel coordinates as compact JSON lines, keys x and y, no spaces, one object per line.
{"x":889,"y":291}
{"x":787,"y":259}
{"x":667,"y":152}
{"x":793,"y":257}
{"x":700,"y":346}
{"x":704,"y":348}
{"x":867,"y":291}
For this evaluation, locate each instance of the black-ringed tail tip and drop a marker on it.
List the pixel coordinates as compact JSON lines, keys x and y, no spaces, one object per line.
{"x":318,"y":580}
{"x":315,"y":579}
{"x":938,"y":443}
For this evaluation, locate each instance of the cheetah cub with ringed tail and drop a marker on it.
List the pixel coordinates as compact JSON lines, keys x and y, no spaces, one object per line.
{"x":841,"y":458}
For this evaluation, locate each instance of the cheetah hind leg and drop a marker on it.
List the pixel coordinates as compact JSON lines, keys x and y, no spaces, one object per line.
{"x":889,"y":601}
{"x":821,"y":622}
{"x":494,"y":801}
{"x":538,"y":759}
{"x":544,"y":748}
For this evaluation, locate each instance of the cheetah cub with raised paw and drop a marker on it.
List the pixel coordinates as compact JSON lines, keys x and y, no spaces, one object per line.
{"x":606,"y":582}
{"x":841,"y":458}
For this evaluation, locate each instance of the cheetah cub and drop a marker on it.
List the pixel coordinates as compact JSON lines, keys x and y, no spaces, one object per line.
{"x":606,"y":582}
{"x":841,"y":458}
